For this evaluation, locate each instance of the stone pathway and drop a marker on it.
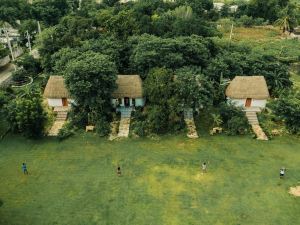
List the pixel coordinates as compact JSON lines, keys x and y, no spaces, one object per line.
{"x":190,"y":123}
{"x":57,"y":125}
{"x":253,"y":121}
{"x":60,"y":120}
{"x":124,"y":122}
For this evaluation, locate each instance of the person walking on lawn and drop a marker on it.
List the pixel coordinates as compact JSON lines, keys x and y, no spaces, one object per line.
{"x":24,"y":168}
{"x":282,"y":173}
{"x":119,"y":171}
{"x":204,"y":167}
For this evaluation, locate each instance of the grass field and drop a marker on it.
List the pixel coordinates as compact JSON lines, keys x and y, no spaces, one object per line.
{"x":74,"y":182}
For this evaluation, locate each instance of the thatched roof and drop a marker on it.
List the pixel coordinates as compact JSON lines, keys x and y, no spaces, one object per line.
{"x":242,"y":87}
{"x":56,"y":88}
{"x":128,"y":86}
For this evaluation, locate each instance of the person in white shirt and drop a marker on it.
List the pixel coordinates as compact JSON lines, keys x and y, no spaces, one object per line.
{"x":282,"y":173}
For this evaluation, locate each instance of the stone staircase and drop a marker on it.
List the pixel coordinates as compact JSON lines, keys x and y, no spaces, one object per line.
{"x":60,"y":119}
{"x":252,"y":118}
{"x":190,"y":123}
{"x":253,"y":121}
{"x":124,"y":122}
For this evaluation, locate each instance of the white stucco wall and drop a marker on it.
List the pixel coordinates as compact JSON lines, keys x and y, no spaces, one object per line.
{"x":254,"y":103}
{"x":259,"y":103}
{"x":54,"y":102}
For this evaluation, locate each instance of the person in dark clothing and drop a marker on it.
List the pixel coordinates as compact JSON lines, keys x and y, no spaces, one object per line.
{"x":119,"y":171}
{"x":24,"y":168}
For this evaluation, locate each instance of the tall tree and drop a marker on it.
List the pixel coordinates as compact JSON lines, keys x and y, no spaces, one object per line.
{"x":91,"y":79}
{"x":193,"y":89}
{"x":26,"y":114}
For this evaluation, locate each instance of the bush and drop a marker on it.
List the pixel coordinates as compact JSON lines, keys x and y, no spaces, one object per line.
{"x":30,"y":65}
{"x":19,"y":75}
{"x":66,"y":131}
{"x":237,"y":125}
{"x":234,"y":119}
{"x":139,"y":128}
{"x":3,"y":52}
{"x":102,"y":127}
{"x":246,"y":21}
{"x":287,"y":109}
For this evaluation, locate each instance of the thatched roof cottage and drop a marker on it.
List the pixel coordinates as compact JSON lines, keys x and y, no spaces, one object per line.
{"x":129,"y":91}
{"x":56,"y":92}
{"x":248,"y":91}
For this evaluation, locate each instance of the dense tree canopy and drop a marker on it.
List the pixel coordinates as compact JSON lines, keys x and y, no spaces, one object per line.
{"x":91,"y":79}
{"x":26,"y":114}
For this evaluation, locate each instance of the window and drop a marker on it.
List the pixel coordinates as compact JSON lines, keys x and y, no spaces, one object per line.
{"x":133,"y":101}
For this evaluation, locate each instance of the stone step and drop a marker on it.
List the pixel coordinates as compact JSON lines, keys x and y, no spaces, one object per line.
{"x":260,"y":134}
{"x":55,"y":128}
{"x":190,"y":123}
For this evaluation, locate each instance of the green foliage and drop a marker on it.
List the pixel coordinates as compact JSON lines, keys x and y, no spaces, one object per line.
{"x":12,"y":10}
{"x":164,"y":112}
{"x":31,"y":65}
{"x":287,"y":108}
{"x":102,"y":126}
{"x":3,"y":52}
{"x":93,"y":75}
{"x":26,"y":114}
{"x":66,"y":131}
{"x":193,"y":89}
{"x":29,"y":25}
{"x":19,"y":75}
{"x":150,"y":51}
{"x":234,"y":119}
{"x":49,"y":11}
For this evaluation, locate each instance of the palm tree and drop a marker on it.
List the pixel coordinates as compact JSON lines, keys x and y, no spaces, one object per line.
{"x":287,"y":19}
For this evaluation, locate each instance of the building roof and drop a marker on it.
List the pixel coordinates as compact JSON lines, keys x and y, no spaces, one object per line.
{"x":56,"y":88}
{"x":242,"y":87}
{"x":128,"y":86}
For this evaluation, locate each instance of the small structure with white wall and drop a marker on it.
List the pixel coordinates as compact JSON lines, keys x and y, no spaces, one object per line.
{"x":129,"y":92}
{"x":248,"y":91}
{"x":56,"y":92}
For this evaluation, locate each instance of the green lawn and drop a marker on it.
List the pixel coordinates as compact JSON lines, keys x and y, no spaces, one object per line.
{"x":74,"y":182}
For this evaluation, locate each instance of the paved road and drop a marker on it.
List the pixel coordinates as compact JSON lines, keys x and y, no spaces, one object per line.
{"x":6,"y":72}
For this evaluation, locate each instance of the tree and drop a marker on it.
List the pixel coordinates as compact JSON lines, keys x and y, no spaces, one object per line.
{"x":287,"y":18}
{"x":31,"y":65}
{"x":277,"y":74}
{"x":91,"y":78}
{"x":60,"y":59}
{"x":163,"y":111}
{"x":287,"y":108}
{"x":12,"y":10}
{"x":150,"y":52}
{"x":26,"y":114}
{"x":49,"y":11}
{"x":193,"y":89}
{"x":29,"y":26}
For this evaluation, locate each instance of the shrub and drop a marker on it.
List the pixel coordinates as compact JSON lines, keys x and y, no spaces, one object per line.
{"x":139,"y":128}
{"x":102,"y":126}
{"x":31,"y":65}
{"x":246,"y":21}
{"x":287,"y":108}
{"x":234,"y":119}
{"x":237,"y":125}
{"x":19,"y":75}
{"x":66,"y":131}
